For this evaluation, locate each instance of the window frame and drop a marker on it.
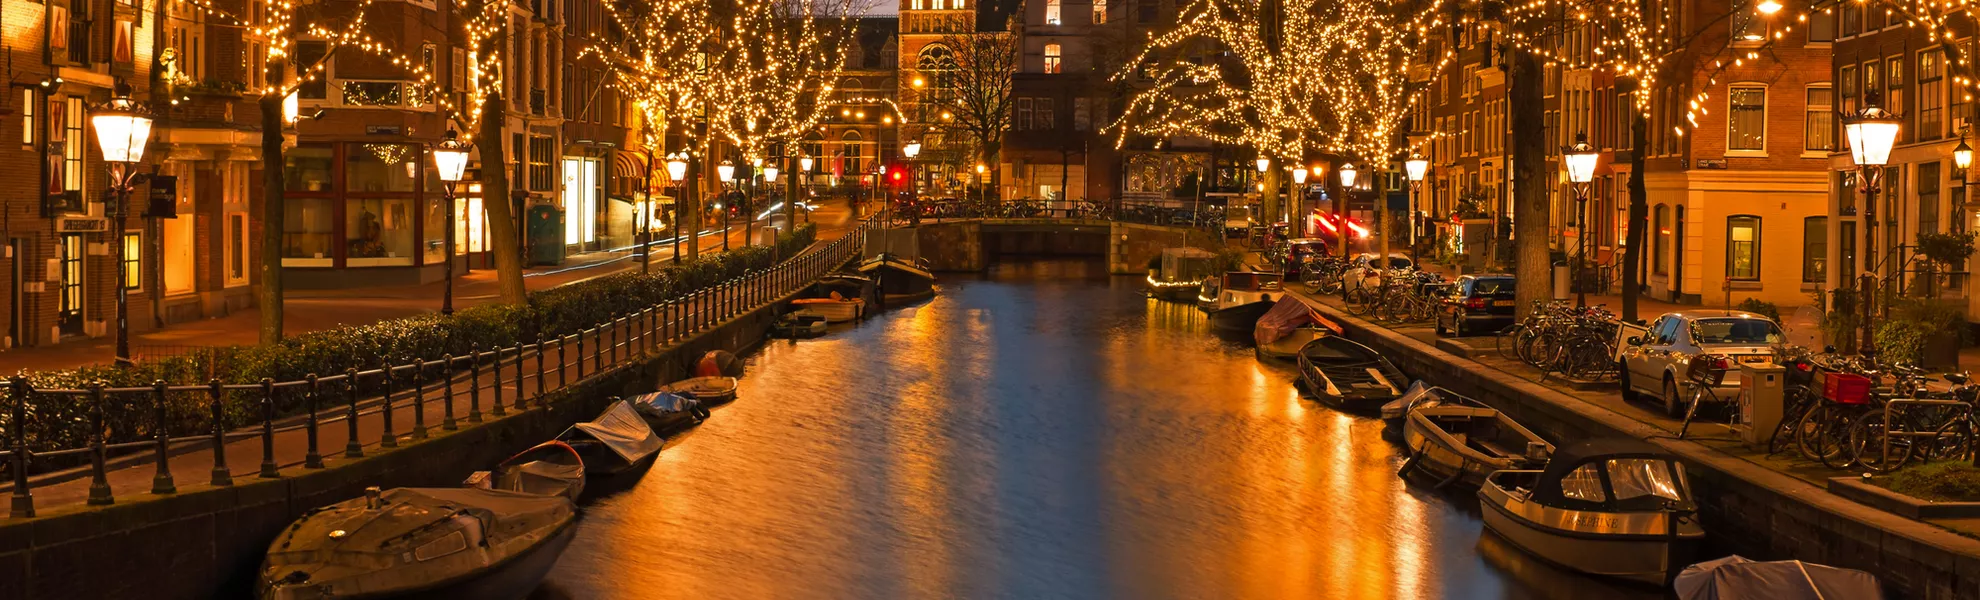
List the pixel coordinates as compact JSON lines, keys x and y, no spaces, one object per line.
{"x":1054,"y":58}
{"x":1753,"y":248}
{"x":1935,"y":78}
{"x":1810,"y":112}
{"x":1732,"y":113}
{"x":133,"y":260}
{"x":1815,"y":249}
{"x":1660,"y":246}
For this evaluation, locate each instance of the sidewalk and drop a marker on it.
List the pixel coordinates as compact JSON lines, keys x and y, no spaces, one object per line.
{"x":316,"y":310}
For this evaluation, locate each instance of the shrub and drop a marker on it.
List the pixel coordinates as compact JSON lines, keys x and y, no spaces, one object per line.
{"x":1954,"y":481}
{"x":1761,"y":307}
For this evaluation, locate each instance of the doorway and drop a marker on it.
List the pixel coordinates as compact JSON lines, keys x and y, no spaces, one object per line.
{"x":1677,"y":254}
{"x":69,"y":314}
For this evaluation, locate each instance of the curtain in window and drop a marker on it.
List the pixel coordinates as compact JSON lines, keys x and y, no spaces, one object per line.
{"x":1748,"y":119}
{"x":1743,"y":247}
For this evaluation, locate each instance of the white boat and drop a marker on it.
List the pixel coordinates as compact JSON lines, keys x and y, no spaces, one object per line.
{"x":1617,"y":508}
{"x":1237,"y":299}
{"x":1462,"y":444}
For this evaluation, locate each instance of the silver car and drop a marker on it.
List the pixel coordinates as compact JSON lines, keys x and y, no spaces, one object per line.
{"x":1654,"y":363}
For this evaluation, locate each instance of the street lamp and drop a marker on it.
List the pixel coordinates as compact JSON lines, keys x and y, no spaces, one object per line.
{"x":1347,"y":175}
{"x":727,"y":173}
{"x":982,"y":189}
{"x":1581,"y":159}
{"x":1871,"y":132}
{"x":1963,"y":158}
{"x":450,"y":160}
{"x":122,"y":132}
{"x":1417,"y":168}
{"x":677,"y":168}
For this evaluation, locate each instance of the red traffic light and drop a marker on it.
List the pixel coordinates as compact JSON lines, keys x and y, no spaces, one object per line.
{"x":897,"y":175}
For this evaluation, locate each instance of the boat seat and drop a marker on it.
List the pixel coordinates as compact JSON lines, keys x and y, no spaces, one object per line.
{"x":1493,"y":448}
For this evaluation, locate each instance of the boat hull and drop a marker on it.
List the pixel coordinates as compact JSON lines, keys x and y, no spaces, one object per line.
{"x":1287,"y":348}
{"x":1436,"y":459}
{"x":510,"y":581}
{"x":1240,"y":318}
{"x":834,"y":311}
{"x":1646,"y":559}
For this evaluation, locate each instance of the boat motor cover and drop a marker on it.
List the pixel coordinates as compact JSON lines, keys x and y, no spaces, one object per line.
{"x":621,"y":429}
{"x":1286,"y":315}
{"x":1736,"y":578}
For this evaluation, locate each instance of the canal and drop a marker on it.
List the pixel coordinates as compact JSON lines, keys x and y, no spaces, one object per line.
{"x":1043,"y":431}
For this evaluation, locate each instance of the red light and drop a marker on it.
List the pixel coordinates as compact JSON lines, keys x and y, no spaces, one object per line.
{"x":1475,"y":303}
{"x":897,"y":175}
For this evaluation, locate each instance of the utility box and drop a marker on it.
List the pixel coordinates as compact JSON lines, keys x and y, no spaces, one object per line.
{"x":1560,"y":281}
{"x":1761,"y":395}
{"x":545,"y":234}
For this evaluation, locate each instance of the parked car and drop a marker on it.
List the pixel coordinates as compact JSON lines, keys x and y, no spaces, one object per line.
{"x":1655,"y":362}
{"x":1477,"y":304}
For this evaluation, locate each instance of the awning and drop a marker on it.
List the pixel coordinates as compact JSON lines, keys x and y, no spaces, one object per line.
{"x":628,"y":164}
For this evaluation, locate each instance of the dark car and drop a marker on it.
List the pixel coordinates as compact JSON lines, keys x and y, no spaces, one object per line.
{"x":1477,"y":304}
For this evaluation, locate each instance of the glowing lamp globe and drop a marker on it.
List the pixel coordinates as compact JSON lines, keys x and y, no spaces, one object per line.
{"x":1263,"y":164}
{"x":911,"y":150}
{"x":677,"y":166}
{"x":1581,"y":159}
{"x":122,"y":131}
{"x":804,"y":164}
{"x":1347,"y":175}
{"x":770,"y":174}
{"x":726,"y":171}
{"x":450,"y":158}
{"x":1871,"y":132}
{"x":1417,"y":167}
{"x":1299,"y":176}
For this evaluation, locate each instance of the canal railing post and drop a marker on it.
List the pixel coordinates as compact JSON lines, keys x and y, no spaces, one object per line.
{"x":447,"y":396}
{"x":268,"y":470}
{"x":498,"y":410}
{"x":474,"y":383}
{"x":23,"y":507}
{"x":311,"y":459}
{"x":352,"y":447}
{"x":222,"y":476}
{"x":580,"y":353}
{"x":161,"y":482}
{"x":598,"y":348}
{"x":562,"y":364}
{"x":387,"y":438}
{"x":99,"y":477}
{"x":541,"y":398}
{"x":520,"y":372}
{"x":419,"y":399}
{"x":612,"y":341}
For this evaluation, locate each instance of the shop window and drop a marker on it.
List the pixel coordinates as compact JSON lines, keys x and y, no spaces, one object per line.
{"x":133,"y":261}
{"x":433,"y":231}
{"x":380,"y":167}
{"x":378,"y":232}
{"x":1743,"y":247}
{"x":309,"y":168}
{"x":1815,"y":249}
{"x":308,"y":227}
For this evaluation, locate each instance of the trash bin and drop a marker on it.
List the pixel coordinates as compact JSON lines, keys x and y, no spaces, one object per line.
{"x":1560,"y":281}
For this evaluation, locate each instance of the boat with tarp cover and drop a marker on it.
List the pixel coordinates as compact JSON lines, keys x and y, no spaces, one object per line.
{"x":618,"y":440}
{"x":1613,"y":507}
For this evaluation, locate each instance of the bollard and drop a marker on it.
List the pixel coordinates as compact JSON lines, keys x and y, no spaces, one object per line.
{"x":161,"y":483}
{"x":268,"y":470}
{"x":352,"y":447}
{"x":448,"y":396}
{"x":498,"y":409}
{"x":99,"y":478}
{"x":474,"y":383}
{"x":419,"y":399}
{"x":311,"y":460}
{"x":23,"y":499}
{"x":222,"y":476}
{"x":387,"y":438}
{"x":541,"y":399}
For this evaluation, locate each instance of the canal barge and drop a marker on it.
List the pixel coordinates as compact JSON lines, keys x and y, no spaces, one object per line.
{"x":1346,"y":374}
{"x":1177,"y":275}
{"x":1237,"y":299}
{"x":899,"y":278}
{"x":1463,"y":444}
{"x":1618,"y":508}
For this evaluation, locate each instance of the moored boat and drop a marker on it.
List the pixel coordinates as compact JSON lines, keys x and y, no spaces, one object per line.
{"x":899,"y":278}
{"x":1615,"y":507}
{"x":551,"y":468}
{"x":709,"y":391}
{"x":1735,"y":577}
{"x":1177,"y":274}
{"x":1237,"y":299}
{"x":1452,"y":443}
{"x":1289,"y":326}
{"x":1349,"y":375}
{"x":803,"y":323}
{"x":838,"y":297}
{"x":1422,"y":394}
{"x":615,"y":442}
{"x":1287,"y":347}
{"x":437,"y":543}
{"x":668,"y":412}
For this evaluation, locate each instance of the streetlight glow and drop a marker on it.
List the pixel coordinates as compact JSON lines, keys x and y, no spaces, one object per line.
{"x":770,"y":174}
{"x":1299,"y":176}
{"x":1581,"y":159}
{"x":450,"y":158}
{"x":726,"y":171}
{"x":911,"y":149}
{"x":1871,"y":132}
{"x":804,"y":164}
{"x":1417,"y":167}
{"x":1347,"y":175}
{"x":1263,"y":164}
{"x":121,"y":131}
{"x":677,"y":166}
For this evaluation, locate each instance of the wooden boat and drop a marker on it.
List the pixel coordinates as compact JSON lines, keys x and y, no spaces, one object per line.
{"x":1422,"y":394}
{"x":840,"y":298}
{"x":668,"y":412}
{"x":898,"y":278}
{"x":799,"y":324}
{"x":426,"y":543}
{"x":1237,"y":299}
{"x":1614,"y":507}
{"x":1463,"y":444}
{"x":1177,"y":275}
{"x":1287,"y":348}
{"x":615,"y":442}
{"x":551,"y":468}
{"x":709,"y":391}
{"x":1349,"y":375}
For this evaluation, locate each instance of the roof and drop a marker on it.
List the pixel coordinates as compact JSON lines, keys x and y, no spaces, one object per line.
{"x":1707,"y":313}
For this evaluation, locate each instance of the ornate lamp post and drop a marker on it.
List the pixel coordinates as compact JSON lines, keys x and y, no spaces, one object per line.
{"x":1962,"y":158}
{"x":1296,"y":192}
{"x":1871,"y":132}
{"x":770,"y":173}
{"x":450,"y":160}
{"x":1348,"y":174}
{"x":804,"y":170}
{"x":727,"y":173}
{"x":1417,"y":168}
{"x":677,"y":166}
{"x":1581,"y":159}
{"x":122,"y":132}
{"x":911,"y":150}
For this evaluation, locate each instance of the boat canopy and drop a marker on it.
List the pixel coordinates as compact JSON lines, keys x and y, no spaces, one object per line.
{"x":1736,"y":578}
{"x":1187,"y":264}
{"x":1614,"y":475}
{"x":1250,"y":280}
{"x":620,"y":429}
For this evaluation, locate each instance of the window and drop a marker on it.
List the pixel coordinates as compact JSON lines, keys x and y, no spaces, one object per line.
{"x":1822,"y":26}
{"x":27,"y":116}
{"x":1748,"y":27}
{"x":380,"y":232}
{"x":1746,"y":121}
{"x":1928,"y":197}
{"x":1099,"y":12}
{"x":74,"y":148}
{"x":1042,"y":113}
{"x":133,"y":259}
{"x":307,"y":58}
{"x":1661,"y":241}
{"x":1852,"y":19}
{"x":1051,"y":12}
{"x":1815,"y":249}
{"x":1743,"y":247}
{"x":1052,"y":58}
{"x":237,"y":232}
{"x":1147,"y":12}
{"x":257,"y":67}
{"x":1850,"y":86}
{"x":940,"y":5}
{"x":1639,"y":477}
{"x":1931,"y":94}
{"x":380,"y":167}
{"x":541,"y":151}
{"x":1819,"y":126}
{"x":1082,"y":114}
{"x":1023,"y":120}
{"x":308,"y":168}
{"x":1584,"y":483}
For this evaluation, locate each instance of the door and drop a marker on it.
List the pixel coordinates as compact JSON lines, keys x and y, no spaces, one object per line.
{"x":1676,"y":284}
{"x":69,"y":287}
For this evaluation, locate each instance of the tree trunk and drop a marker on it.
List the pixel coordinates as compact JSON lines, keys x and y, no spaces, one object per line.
{"x":1529,"y":182}
{"x":502,"y":223}
{"x":1381,"y":214}
{"x":1268,"y":199}
{"x":272,"y":210}
{"x":1639,"y":210}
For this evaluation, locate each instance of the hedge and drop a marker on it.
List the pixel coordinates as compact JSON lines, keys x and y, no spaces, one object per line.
{"x":549,"y":313}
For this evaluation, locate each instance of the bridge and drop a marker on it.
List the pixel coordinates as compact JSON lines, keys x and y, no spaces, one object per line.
{"x":964,"y":236}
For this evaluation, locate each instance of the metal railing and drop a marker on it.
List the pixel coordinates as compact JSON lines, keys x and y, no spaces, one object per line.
{"x":1204,"y":217}
{"x":342,"y":397}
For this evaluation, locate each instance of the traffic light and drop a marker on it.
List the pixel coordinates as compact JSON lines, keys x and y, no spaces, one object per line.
{"x":898,"y":175}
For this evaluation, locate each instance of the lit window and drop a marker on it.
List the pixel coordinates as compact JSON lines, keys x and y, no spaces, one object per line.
{"x":133,"y":258}
{"x":27,"y":117}
{"x":1931,"y":95}
{"x":1051,"y":12}
{"x":1743,"y":247}
{"x":1052,"y":59}
{"x":1099,"y":12}
{"x":1747,"y":119}
{"x":1815,"y":253}
{"x":1819,"y":131}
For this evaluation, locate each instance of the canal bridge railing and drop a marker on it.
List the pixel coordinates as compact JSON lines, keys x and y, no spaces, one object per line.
{"x":528,"y":370}
{"x":1185,"y":214}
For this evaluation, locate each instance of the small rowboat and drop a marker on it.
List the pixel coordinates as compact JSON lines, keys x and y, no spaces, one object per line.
{"x":1463,"y":444}
{"x":1287,"y":348}
{"x":1421,"y":394}
{"x":709,"y":391}
{"x":1349,"y":375}
{"x":840,"y":298}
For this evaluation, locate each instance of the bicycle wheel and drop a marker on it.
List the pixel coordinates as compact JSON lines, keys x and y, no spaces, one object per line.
{"x":1827,"y":440}
{"x":1506,"y":343}
{"x":1538,"y":350}
{"x":1357,"y":301}
{"x":1784,"y":435}
{"x":1951,"y":442}
{"x":1869,"y":435}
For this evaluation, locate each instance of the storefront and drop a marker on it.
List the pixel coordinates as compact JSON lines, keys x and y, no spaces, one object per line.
{"x":361,"y":213}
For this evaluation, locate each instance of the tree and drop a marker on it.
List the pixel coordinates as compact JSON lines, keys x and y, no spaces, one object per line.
{"x":980,"y":89}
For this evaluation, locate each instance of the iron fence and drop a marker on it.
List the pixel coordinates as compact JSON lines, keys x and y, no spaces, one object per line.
{"x":250,"y":410}
{"x":1206,"y":216}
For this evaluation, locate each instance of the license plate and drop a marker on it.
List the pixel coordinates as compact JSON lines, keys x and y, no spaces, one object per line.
{"x":1754,"y":358}
{"x":1502,"y":303}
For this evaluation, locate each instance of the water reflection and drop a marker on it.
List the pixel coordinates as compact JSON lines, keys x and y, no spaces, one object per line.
{"x":1042,"y":432}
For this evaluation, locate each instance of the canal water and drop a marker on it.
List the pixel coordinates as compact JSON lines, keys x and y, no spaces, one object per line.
{"x":1043,"y":431}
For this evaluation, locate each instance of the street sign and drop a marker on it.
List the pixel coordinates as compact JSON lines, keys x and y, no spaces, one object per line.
{"x":81,"y":224}
{"x":164,"y":198}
